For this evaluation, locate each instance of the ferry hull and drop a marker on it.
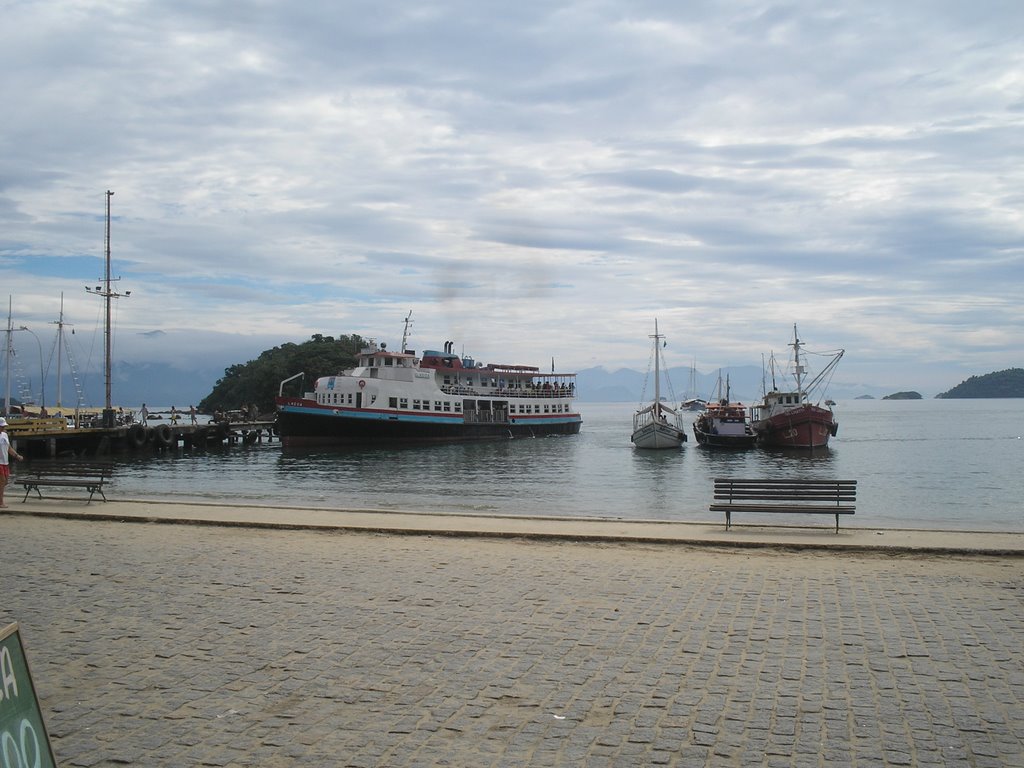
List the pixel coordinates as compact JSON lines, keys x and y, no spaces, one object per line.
{"x":312,"y":426}
{"x":807,"y":426}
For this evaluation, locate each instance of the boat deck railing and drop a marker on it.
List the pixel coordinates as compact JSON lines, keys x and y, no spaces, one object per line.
{"x":535,"y":392}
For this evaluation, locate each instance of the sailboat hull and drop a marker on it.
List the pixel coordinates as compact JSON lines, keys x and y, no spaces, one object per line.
{"x":658,"y":435}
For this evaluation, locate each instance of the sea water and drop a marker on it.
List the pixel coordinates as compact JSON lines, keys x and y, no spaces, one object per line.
{"x":935,"y":464}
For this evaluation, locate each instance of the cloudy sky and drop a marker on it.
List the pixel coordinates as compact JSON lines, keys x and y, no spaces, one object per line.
{"x":532,"y":180}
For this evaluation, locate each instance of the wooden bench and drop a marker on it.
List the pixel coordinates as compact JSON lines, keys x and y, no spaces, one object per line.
{"x":91,"y":476}
{"x":816,"y":497}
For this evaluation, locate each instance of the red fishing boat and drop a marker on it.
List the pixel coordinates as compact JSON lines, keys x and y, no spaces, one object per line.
{"x":789,"y":419}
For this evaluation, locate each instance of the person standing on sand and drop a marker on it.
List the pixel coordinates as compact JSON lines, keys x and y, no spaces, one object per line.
{"x":7,"y":453}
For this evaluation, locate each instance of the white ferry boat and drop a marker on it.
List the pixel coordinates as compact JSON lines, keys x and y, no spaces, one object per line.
{"x":397,"y":397}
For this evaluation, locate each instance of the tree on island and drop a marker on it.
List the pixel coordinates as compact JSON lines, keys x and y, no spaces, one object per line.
{"x":903,"y":396}
{"x":257,"y":381}
{"x":1008,"y":383}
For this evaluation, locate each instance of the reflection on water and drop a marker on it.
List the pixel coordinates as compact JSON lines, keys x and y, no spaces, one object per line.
{"x":941,"y":464}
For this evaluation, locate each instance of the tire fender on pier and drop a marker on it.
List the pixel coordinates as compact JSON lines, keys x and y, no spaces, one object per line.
{"x":162,"y":436}
{"x":137,"y":435}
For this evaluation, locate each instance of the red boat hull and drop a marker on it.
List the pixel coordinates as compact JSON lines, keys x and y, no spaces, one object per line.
{"x":805,"y":426}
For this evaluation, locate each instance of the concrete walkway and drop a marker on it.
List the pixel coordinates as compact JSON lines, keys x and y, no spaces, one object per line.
{"x":818,"y":533}
{"x":541,"y":642}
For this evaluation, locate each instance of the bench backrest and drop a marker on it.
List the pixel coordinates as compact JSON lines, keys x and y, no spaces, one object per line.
{"x":839,"y":491}
{"x":91,"y":470}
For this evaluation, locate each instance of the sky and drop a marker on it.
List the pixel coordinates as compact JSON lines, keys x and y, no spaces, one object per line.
{"x":534,"y":180}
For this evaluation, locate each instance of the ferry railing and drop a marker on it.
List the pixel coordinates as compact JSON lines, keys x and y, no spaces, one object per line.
{"x":537,"y":393}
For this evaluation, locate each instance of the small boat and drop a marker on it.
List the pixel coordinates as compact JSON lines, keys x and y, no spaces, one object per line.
{"x":657,"y":425}
{"x":724,"y":424}
{"x":693,"y":402}
{"x":788,"y":419}
{"x":400,"y":398}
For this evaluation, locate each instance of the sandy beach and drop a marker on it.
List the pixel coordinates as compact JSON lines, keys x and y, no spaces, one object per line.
{"x":285,"y":637}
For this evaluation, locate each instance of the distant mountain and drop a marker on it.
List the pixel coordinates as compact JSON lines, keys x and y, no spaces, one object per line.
{"x":597,"y":385}
{"x":155,"y":384}
{"x":1008,"y":383}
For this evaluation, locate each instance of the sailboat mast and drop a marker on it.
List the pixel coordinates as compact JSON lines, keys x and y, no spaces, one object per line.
{"x":60,"y":351}
{"x":657,"y":369}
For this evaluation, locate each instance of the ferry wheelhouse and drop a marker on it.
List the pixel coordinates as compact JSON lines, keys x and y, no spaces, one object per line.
{"x":397,"y":397}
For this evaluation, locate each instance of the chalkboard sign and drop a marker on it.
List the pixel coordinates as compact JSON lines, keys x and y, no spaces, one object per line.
{"x":24,"y":742}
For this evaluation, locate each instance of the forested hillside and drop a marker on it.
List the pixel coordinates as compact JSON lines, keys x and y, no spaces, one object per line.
{"x":1008,"y":383}
{"x":257,"y":381}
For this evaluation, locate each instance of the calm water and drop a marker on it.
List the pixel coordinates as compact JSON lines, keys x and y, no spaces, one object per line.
{"x":949,"y":464}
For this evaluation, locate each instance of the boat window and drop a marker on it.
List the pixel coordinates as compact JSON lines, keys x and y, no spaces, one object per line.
{"x":415,"y":405}
{"x":437,"y":405}
{"x":392,"y":402}
{"x":458,"y":406}
{"x":447,"y":406}
{"x":403,"y":403}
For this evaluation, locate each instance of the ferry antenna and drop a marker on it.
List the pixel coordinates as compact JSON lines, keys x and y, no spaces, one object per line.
{"x":405,"y":333}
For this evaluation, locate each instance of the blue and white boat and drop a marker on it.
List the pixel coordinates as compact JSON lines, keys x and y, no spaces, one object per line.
{"x":399,"y":397}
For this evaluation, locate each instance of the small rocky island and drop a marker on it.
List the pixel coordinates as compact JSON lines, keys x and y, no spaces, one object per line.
{"x":903,"y":396}
{"x":1008,"y":383}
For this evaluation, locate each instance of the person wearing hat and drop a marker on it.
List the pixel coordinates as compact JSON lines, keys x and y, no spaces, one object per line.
{"x":7,"y":453}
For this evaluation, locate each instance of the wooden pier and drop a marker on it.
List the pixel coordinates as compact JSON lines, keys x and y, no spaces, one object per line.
{"x":51,"y":437}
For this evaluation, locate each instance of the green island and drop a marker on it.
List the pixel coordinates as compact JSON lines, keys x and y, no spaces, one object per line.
{"x":257,"y":380}
{"x":903,"y":396}
{"x":1008,"y":383}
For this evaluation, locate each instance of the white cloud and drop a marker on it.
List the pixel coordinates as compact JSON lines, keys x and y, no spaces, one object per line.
{"x":534,"y":180}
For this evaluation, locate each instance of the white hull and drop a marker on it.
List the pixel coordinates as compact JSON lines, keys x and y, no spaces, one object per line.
{"x":657,"y":425}
{"x":658,"y":435}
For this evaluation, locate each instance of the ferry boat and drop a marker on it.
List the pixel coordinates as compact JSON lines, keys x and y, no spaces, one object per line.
{"x":788,"y":419}
{"x":399,"y":398}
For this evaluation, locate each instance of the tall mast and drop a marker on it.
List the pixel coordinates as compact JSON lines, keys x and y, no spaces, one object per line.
{"x":107,"y":293}
{"x":60,"y":344}
{"x":106,"y":333}
{"x":657,"y":369}
{"x":798,"y":368}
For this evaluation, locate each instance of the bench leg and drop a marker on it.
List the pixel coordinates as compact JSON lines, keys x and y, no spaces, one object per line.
{"x":728,"y":519}
{"x":837,"y":522}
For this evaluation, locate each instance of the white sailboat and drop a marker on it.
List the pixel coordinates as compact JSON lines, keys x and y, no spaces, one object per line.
{"x":692,"y":401}
{"x":657,"y":425}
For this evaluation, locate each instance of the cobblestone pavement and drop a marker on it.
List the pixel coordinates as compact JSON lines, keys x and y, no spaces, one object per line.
{"x":169,"y":645}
